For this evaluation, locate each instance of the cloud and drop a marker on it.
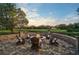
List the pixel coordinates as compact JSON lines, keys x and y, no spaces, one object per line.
{"x":31,"y":13}
{"x":36,"y":19}
{"x":41,"y":21}
{"x":72,"y":18}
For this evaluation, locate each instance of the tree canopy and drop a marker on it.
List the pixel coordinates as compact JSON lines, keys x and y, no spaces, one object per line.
{"x":10,"y":16}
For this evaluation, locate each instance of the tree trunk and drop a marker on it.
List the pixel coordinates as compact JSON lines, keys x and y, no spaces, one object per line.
{"x":12,"y":30}
{"x":19,"y":33}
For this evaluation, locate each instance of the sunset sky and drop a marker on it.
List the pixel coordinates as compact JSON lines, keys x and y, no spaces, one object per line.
{"x":50,"y":13}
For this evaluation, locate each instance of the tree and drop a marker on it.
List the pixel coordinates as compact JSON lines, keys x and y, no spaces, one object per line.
{"x":7,"y":13}
{"x":21,"y":21}
{"x":77,"y":11}
{"x":61,"y":26}
{"x":10,"y":16}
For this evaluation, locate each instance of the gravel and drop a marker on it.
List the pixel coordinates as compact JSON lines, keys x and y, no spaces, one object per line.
{"x":9,"y":47}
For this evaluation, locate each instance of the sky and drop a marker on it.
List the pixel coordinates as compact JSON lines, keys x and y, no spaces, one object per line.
{"x":50,"y":13}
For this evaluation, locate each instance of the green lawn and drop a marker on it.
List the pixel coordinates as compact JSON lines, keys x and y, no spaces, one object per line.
{"x":44,"y":30}
{"x":37,"y":30}
{"x":74,"y":34}
{"x":5,"y":32}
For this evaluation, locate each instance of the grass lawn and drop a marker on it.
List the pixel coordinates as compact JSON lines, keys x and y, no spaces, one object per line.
{"x":44,"y":30}
{"x":5,"y":32}
{"x":36,"y":30}
{"x":74,"y":34}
